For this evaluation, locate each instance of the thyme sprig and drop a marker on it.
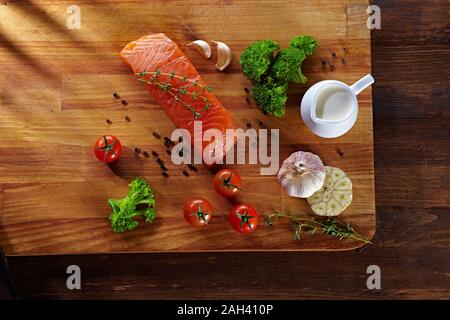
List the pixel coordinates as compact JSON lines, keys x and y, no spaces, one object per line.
{"x":331,"y":227}
{"x":178,"y":93}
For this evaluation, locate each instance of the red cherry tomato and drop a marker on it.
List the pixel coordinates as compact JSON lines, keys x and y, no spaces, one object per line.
{"x":244,"y":218}
{"x":227,"y":183}
{"x":197,"y":212}
{"x":107,"y":149}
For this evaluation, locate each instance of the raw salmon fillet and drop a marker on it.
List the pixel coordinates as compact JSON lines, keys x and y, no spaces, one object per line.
{"x":158,"y":53}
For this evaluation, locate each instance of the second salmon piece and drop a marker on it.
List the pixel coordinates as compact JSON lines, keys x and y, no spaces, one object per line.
{"x":176,"y":85}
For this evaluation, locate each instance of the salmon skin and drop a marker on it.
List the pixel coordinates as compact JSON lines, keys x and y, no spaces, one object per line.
{"x":176,"y":85}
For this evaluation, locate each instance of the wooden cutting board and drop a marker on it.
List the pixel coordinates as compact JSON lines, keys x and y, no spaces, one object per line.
{"x":56,"y":90}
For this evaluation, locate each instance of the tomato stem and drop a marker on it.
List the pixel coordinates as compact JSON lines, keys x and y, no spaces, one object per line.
{"x":108,"y":148}
{"x":201,"y":215}
{"x":227,"y":182}
{"x":245,"y":218}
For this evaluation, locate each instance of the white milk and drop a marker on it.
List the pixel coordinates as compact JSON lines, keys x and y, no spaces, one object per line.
{"x":334,"y":103}
{"x":330,"y":107}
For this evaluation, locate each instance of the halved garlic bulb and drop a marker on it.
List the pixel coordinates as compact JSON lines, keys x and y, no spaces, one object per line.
{"x":224,"y":55}
{"x":302,"y":174}
{"x":335,"y":195}
{"x":202,"y":47}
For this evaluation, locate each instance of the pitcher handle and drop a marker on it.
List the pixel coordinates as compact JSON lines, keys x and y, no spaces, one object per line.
{"x":362,"y":84}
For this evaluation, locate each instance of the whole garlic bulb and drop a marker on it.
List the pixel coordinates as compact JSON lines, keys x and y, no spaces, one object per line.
{"x":302,"y":174}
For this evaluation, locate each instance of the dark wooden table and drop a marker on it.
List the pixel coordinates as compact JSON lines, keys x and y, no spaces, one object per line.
{"x":411,"y":60}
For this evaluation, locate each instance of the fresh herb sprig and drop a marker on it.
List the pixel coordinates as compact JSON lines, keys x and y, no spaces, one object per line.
{"x":139,"y":202}
{"x":331,"y":227}
{"x":178,"y":93}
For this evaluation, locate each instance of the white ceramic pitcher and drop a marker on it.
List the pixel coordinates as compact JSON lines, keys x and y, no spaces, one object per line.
{"x":330,"y":108}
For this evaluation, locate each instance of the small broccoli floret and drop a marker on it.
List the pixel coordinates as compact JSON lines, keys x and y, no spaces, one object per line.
{"x":271,"y":97}
{"x":287,"y":66}
{"x":138,"y":202}
{"x":256,"y":59}
{"x":305,"y":44}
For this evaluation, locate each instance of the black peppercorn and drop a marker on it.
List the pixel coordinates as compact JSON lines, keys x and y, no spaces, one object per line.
{"x":192,"y":167}
{"x":156,"y":135}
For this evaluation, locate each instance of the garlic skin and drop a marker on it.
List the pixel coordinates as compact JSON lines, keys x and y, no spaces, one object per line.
{"x":224,"y":55}
{"x":202,"y":47}
{"x":335,"y":195}
{"x":302,"y":174}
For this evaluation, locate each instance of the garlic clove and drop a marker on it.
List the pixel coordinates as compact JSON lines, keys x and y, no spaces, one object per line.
{"x":335,"y":195}
{"x":202,"y":47}
{"x":224,"y":55}
{"x":302,"y":174}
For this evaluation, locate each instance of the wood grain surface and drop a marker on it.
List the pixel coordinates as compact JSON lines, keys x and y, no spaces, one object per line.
{"x":56,"y":95}
{"x":412,"y":161}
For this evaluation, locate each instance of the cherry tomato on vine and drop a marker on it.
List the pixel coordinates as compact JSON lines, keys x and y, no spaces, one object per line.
{"x":107,"y":149}
{"x":197,"y":212}
{"x":227,"y":183}
{"x":244,"y":218}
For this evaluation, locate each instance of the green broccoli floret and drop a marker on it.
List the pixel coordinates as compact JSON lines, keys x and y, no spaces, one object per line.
{"x":256,"y":59}
{"x":288,"y":62}
{"x":271,"y":97}
{"x":287,"y":66}
{"x":305,"y":44}
{"x":271,"y":70}
{"x":138,"y":202}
